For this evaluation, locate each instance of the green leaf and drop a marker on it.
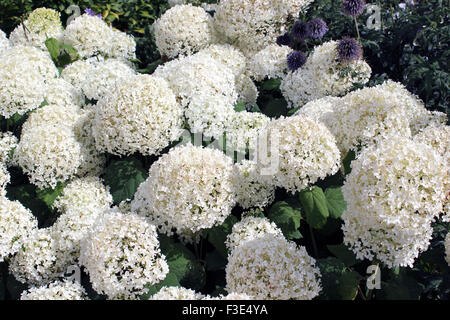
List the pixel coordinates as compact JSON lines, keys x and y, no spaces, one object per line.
{"x":170,"y":281}
{"x":348,"y":285}
{"x":255,"y":108}
{"x":53,"y":48}
{"x":49,"y":195}
{"x":286,"y":218}
{"x":401,"y":287}
{"x":315,"y":204}
{"x":335,"y":201}
{"x":218,"y":235}
{"x":124,"y":177}
{"x":343,"y":253}
{"x":275,"y":108}
{"x":271,"y":84}
{"x":292,"y":111}
{"x":70,"y":51}
{"x":351,"y":155}
{"x":215,"y":261}
{"x":240,"y":106}
{"x":183,"y":264}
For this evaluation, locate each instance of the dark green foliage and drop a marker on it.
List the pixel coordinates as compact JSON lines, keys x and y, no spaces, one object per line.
{"x":287,"y":218}
{"x":218,"y":235}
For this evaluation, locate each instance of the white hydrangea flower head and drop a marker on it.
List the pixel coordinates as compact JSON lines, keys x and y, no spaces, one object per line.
{"x":320,"y":109}
{"x":323,"y":75}
{"x":393,"y":193}
{"x":57,"y":290}
{"x":49,"y":154}
{"x":227,"y":55}
{"x":211,"y":78}
{"x":123,"y":46}
{"x":427,"y":118}
{"x":176,"y":293}
{"x":41,"y":24}
{"x":16,"y":225}
{"x":52,"y":114}
{"x":447,"y":248}
{"x":251,"y":25}
{"x":365,"y":115}
{"x":304,"y":151}
{"x":251,"y":190}
{"x":89,"y":35}
{"x":121,"y":254}
{"x":8,"y":142}
{"x":35,"y":262}
{"x":244,"y":128}
{"x":76,"y":72}
{"x":5,"y":44}
{"x":270,"y":62}
{"x":63,"y":93}
{"x":183,"y":30}
{"x":23,"y":75}
{"x":188,"y":190}
{"x":100,"y":80}
{"x":272,"y":268}
{"x":236,"y":296}
{"x":246,"y":90}
{"x":4,"y":179}
{"x":249,"y":229}
{"x":140,"y":114}
{"x":209,"y":114}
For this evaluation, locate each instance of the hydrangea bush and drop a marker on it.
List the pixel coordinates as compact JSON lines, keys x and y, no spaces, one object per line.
{"x":253,"y":150}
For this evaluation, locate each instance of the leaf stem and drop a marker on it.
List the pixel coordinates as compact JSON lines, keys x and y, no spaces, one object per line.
{"x":357,"y":29}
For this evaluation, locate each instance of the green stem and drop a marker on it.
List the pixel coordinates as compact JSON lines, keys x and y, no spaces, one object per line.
{"x":357,"y":29}
{"x":316,"y":252}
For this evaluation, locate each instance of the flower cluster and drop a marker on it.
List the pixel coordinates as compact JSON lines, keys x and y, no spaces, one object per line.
{"x":188,"y":189}
{"x":16,"y":225}
{"x":121,"y":254}
{"x":304,"y":150}
{"x":4,"y":179}
{"x":57,"y":290}
{"x":183,"y":30}
{"x":393,"y":193}
{"x":62,"y":93}
{"x":140,"y":114}
{"x":8,"y":142}
{"x":176,"y":293}
{"x":270,"y":62}
{"x":270,"y":267}
{"x":4,"y":43}
{"x":322,"y":75}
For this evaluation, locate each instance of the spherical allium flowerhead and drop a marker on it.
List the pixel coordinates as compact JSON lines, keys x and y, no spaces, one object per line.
{"x":40,"y":25}
{"x":17,"y":223}
{"x":296,"y":60}
{"x":317,"y":28}
{"x":23,"y":75}
{"x":299,"y":151}
{"x":249,"y":229}
{"x":349,"y":50}
{"x":5,"y":44}
{"x":4,"y":179}
{"x":183,"y":30}
{"x":243,"y":129}
{"x":176,"y":293}
{"x":57,"y":290}
{"x":270,"y":62}
{"x":140,"y":114}
{"x":353,"y":7}
{"x":92,"y":13}
{"x":447,"y":248}
{"x":188,"y":190}
{"x":121,"y":254}
{"x":35,"y":263}
{"x":62,"y":93}
{"x":300,"y":31}
{"x":284,"y":40}
{"x":251,"y":190}
{"x":89,"y":35}
{"x":49,"y":154}
{"x":100,"y":80}
{"x":271,"y":267}
{"x":8,"y":142}
{"x":393,"y":193}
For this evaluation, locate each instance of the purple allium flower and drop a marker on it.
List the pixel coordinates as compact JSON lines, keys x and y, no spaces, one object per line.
{"x":92,"y":13}
{"x":353,"y":7}
{"x":284,"y":40}
{"x":295,"y":60}
{"x":317,"y":28}
{"x":349,"y":50}
{"x":299,"y":31}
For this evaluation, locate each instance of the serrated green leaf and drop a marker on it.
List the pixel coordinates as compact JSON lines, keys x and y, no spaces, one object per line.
{"x":53,"y":48}
{"x":315,"y":205}
{"x":335,"y":201}
{"x":218,"y":235}
{"x":49,"y":195}
{"x":240,"y":106}
{"x":286,"y":218}
{"x":124,"y":177}
{"x":343,"y":253}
